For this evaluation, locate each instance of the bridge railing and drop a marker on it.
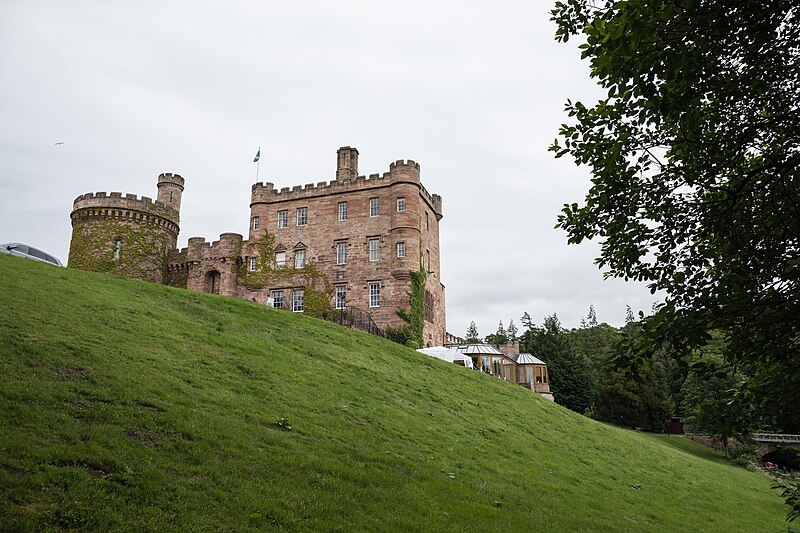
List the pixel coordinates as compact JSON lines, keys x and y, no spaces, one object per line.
{"x":776,"y":437}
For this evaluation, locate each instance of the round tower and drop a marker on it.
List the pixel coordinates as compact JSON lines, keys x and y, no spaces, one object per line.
{"x":170,"y":189}
{"x":124,"y":234}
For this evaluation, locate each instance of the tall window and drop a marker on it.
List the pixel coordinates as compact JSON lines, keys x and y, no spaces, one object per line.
{"x":401,"y":204}
{"x":342,"y":210}
{"x":401,"y":249}
{"x":283,"y":218}
{"x":374,"y":294}
{"x":117,"y":247}
{"x":374,"y":207}
{"x":302,"y":216}
{"x":299,"y":258}
{"x":253,"y":264}
{"x":428,"y":260}
{"x":256,"y":223}
{"x":374,"y":249}
{"x":280,"y":260}
{"x":426,"y":220}
{"x":298,"y":295}
{"x":341,"y":296}
{"x":341,"y":253}
{"x":277,"y":299}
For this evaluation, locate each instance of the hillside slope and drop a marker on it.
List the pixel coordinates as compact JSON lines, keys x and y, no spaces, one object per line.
{"x":127,"y":406}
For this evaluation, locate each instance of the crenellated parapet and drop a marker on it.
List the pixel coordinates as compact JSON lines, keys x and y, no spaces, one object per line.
{"x":400,"y":171}
{"x":227,"y":248}
{"x":109,"y":204}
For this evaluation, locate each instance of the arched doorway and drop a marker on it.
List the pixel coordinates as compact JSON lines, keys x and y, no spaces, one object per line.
{"x":212,"y":282}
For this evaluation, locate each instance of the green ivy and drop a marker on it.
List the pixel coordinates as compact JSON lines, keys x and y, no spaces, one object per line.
{"x":144,"y":253}
{"x":318,"y":291}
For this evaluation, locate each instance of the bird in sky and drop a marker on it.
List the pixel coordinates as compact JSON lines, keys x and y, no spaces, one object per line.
{"x":59,"y":143}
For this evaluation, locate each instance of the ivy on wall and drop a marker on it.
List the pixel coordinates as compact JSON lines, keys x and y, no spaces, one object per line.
{"x":410,"y":333}
{"x":143,"y":254}
{"x":318,"y":291}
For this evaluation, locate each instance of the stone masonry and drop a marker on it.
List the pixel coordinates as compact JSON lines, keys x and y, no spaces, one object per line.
{"x":363,"y":235}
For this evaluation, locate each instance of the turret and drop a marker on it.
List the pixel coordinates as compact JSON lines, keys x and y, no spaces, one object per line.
{"x":404,"y":171}
{"x":170,"y":188}
{"x":346,"y":163}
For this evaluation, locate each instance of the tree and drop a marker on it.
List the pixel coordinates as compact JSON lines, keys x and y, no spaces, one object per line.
{"x":573,"y":380}
{"x":635,"y":400}
{"x":527,"y":323}
{"x":695,"y":162}
{"x":512,"y":331}
{"x":498,"y":337}
{"x":472,"y":333}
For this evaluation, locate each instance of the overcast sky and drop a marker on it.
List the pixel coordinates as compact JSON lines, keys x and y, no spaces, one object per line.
{"x":473,"y":91}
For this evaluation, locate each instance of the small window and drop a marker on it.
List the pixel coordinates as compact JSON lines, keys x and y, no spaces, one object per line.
{"x":401,"y":204}
{"x":280,"y":260}
{"x":374,"y":294}
{"x":299,"y":258}
{"x":253,"y":264}
{"x":401,"y":249}
{"x":341,"y":297}
{"x":427,"y":260}
{"x":426,"y":220}
{"x":374,"y":207}
{"x":256,"y":223}
{"x":374,"y":249}
{"x":342,"y":210}
{"x":298,"y":297}
{"x":277,"y":299}
{"x":302,"y":216}
{"x":283,"y":219}
{"x":341,"y":253}
{"x":117,"y":247}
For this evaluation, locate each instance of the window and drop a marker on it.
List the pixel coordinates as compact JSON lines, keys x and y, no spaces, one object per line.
{"x":298,"y":296}
{"x":283,"y":218}
{"x":253,"y":264}
{"x":117,"y":247}
{"x":256,"y":223}
{"x":401,"y":249}
{"x":428,"y":300}
{"x":401,"y":204}
{"x":342,"y":210}
{"x":426,"y":220}
{"x":374,"y":294}
{"x":299,"y":258}
{"x":277,"y":299}
{"x":374,"y":249}
{"x":302,"y":216}
{"x":341,"y":296}
{"x":427,"y":260}
{"x":280,"y":260}
{"x":341,"y":253}
{"x":374,"y":207}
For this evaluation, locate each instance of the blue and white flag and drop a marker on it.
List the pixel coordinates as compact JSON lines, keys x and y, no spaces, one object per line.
{"x":258,"y":156}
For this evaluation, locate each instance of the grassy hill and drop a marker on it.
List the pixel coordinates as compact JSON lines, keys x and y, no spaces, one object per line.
{"x":130,"y":406}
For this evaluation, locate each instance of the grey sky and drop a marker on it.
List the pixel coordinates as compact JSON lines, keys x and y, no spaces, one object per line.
{"x":473,"y":91}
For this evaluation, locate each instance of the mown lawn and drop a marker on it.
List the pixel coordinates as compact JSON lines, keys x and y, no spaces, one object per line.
{"x":130,"y":406}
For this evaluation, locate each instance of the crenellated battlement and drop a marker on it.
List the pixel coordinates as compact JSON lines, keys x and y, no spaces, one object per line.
{"x":116,"y":200}
{"x":399,"y":171}
{"x":228,"y":246}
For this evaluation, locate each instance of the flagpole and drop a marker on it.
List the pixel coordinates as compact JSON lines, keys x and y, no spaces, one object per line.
{"x":258,"y":163}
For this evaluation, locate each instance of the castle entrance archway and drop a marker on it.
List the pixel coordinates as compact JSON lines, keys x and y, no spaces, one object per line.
{"x":212,"y":282}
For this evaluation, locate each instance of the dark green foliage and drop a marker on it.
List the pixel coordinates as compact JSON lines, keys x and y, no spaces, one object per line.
{"x":472,"y":333}
{"x":410,"y":333}
{"x":497,"y":338}
{"x":634,"y":400}
{"x":573,"y":379}
{"x":695,"y":162}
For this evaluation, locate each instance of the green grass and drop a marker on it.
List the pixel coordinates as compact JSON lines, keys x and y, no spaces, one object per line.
{"x":126,"y":405}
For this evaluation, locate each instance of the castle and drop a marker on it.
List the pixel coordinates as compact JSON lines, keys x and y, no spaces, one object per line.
{"x":369,"y":243}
